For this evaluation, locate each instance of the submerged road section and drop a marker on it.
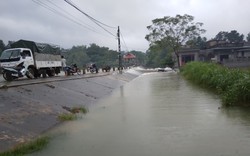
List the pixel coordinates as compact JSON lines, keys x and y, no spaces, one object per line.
{"x":31,"y":107}
{"x":156,"y":114}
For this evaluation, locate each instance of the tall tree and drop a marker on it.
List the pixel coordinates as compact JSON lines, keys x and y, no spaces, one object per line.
{"x":140,"y":57}
{"x":157,"y":54}
{"x":232,"y":36}
{"x":222,"y":36}
{"x":248,"y":37}
{"x":2,"y":46}
{"x":176,"y":30}
{"x":197,"y":42}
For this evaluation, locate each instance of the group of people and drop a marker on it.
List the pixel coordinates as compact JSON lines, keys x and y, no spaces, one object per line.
{"x":92,"y":68}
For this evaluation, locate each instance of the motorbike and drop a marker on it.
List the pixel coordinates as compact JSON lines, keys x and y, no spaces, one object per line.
{"x":11,"y":73}
{"x":93,"y":68}
{"x":71,"y":70}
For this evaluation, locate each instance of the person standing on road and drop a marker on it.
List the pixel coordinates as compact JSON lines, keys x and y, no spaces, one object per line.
{"x":64,"y":65}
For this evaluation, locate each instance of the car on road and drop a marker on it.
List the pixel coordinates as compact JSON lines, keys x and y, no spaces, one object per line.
{"x":164,"y":69}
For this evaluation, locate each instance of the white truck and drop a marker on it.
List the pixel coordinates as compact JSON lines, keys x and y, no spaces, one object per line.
{"x":39,"y":58}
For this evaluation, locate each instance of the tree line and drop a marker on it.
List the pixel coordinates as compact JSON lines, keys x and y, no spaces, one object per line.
{"x":84,"y":55}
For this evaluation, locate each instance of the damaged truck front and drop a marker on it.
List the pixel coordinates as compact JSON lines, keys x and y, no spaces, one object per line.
{"x":39,"y":58}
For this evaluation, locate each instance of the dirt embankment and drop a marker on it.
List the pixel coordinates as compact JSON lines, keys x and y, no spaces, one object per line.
{"x":27,"y":111}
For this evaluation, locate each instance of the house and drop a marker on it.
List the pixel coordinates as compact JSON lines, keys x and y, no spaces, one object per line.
{"x":235,"y":55}
{"x":129,"y":59}
{"x":188,"y":55}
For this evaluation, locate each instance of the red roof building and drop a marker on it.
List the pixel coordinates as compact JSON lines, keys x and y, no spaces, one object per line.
{"x":129,"y":59}
{"x":129,"y":56}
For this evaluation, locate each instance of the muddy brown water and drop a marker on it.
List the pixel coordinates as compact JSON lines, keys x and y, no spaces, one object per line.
{"x":157,"y":114}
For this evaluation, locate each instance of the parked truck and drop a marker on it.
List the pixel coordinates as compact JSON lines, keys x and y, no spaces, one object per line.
{"x":38,"y":58}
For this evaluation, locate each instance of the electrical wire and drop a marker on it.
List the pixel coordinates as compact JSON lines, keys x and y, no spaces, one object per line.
{"x":46,"y":6}
{"x":60,"y":8}
{"x":91,"y":18}
{"x":56,"y":9}
{"x":124,"y":41}
{"x":75,"y":6}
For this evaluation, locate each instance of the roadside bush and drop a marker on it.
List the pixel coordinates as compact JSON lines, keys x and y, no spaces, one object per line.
{"x":232,"y":84}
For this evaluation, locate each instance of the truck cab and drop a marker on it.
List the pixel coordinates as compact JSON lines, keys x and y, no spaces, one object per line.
{"x":15,"y":56}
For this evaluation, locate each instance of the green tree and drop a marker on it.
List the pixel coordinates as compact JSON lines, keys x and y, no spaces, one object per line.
{"x":83,"y":55}
{"x":78,"y":55}
{"x":2,"y":46}
{"x":197,"y":42}
{"x":176,"y":30}
{"x":140,"y":57}
{"x":157,"y":54}
{"x":222,"y":35}
{"x":102,"y":55}
{"x":248,"y":37}
{"x":232,"y":36}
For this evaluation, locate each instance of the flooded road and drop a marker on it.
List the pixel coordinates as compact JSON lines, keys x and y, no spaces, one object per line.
{"x":157,"y":114}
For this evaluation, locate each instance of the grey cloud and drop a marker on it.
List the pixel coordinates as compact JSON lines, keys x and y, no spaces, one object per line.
{"x":27,"y":20}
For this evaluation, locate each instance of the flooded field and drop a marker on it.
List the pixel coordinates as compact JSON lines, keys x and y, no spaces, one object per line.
{"x":157,"y":114}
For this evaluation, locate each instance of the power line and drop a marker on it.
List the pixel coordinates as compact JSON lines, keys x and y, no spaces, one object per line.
{"x":59,"y":13}
{"x":62,"y":12}
{"x":46,"y":6}
{"x":124,"y":42}
{"x":74,"y":5}
{"x":65,"y":11}
{"x":91,"y":18}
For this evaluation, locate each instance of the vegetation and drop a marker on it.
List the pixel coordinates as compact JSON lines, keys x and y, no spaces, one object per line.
{"x":1,"y":46}
{"x":197,"y":43}
{"x":101,"y":56}
{"x":140,"y":57}
{"x":67,"y":117}
{"x":82,"y":55}
{"x":82,"y":110}
{"x":232,"y":84}
{"x":72,"y":115}
{"x":168,"y":34}
{"x":232,"y":37}
{"x":248,"y":37}
{"x":28,"y":148}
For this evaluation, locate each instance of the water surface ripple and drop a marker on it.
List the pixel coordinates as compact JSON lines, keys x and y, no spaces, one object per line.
{"x":157,"y":114}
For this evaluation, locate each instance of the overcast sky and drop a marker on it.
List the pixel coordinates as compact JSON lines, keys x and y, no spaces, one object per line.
{"x":56,"y":22}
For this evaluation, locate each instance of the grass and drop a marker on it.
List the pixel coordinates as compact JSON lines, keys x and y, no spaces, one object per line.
{"x":27,"y":148}
{"x":72,"y":115}
{"x":233,"y":85}
{"x":82,"y":110}
{"x":67,"y":117}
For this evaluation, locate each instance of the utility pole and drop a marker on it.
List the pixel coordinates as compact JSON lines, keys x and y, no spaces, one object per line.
{"x":119,"y":51}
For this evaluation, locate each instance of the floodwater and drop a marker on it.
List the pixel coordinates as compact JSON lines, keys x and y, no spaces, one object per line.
{"x":157,"y":114}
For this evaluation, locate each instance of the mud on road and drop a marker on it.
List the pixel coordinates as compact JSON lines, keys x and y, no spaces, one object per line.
{"x":29,"y":109}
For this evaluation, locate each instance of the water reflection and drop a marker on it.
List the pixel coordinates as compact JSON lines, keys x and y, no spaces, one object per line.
{"x":156,"y":114}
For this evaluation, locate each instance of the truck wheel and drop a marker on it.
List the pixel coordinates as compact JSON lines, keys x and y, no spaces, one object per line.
{"x":31,"y":73}
{"x":43,"y":73}
{"x":37,"y":74}
{"x":7,"y":76}
{"x":51,"y":72}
